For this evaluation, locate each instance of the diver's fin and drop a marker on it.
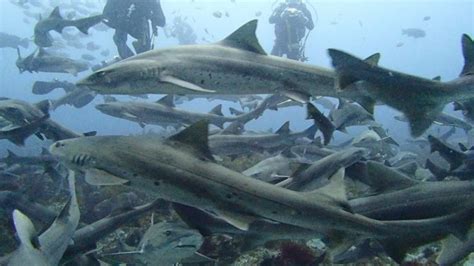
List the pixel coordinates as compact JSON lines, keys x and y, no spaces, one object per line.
{"x":183,"y":84}
{"x":244,"y":38}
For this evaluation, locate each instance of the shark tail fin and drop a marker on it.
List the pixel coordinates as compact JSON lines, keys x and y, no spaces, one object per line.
{"x":395,"y":89}
{"x":468,"y":53}
{"x":322,"y":122}
{"x":84,"y":24}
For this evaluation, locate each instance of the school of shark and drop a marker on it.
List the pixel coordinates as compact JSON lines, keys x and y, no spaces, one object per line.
{"x":202,"y":188}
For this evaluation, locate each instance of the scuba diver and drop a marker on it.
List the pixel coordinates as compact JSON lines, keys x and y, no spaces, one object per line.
{"x":291,"y":20}
{"x":131,"y":17}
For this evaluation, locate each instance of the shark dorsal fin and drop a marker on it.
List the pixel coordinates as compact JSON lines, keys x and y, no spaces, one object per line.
{"x":284,"y":129}
{"x":196,"y":136}
{"x":25,"y":229}
{"x":437,"y":78}
{"x":336,"y":188}
{"x":55,"y":13}
{"x":217,"y":110}
{"x":168,"y":100}
{"x":373,"y":60}
{"x":468,"y":53}
{"x":244,"y":38}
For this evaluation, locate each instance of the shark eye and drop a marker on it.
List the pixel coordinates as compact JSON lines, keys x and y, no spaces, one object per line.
{"x":168,"y":233}
{"x":59,"y":144}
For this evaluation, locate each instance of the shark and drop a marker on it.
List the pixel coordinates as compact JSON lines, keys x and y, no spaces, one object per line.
{"x":49,"y":247}
{"x":420,"y":99}
{"x":164,"y":112}
{"x":56,"y":22}
{"x":43,"y":61}
{"x":237,"y":65}
{"x":181,"y":169}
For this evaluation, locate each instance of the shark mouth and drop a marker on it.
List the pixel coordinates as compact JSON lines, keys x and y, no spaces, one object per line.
{"x":185,"y":246}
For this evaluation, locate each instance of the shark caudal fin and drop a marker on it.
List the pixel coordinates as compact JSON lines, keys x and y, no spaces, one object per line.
{"x":322,"y":122}
{"x":84,"y":24}
{"x":421,"y":100}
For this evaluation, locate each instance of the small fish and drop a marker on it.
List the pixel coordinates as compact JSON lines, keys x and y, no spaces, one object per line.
{"x":414,"y":32}
{"x":217,"y":14}
{"x":258,"y":13}
{"x":88,"y":57}
{"x":91,"y":46}
{"x":426,"y":18}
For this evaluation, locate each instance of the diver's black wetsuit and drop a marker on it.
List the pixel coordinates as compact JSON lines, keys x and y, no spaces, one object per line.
{"x":291,"y":22}
{"x":130,"y":17}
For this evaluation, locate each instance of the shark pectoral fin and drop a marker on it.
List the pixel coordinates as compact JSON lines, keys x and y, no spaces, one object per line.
{"x":334,"y":190}
{"x":238,"y":220}
{"x":297,"y":96}
{"x":25,"y":229}
{"x":286,"y":180}
{"x":98,"y":177}
{"x":183,"y":84}
{"x":197,"y":258}
{"x":129,"y":116}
